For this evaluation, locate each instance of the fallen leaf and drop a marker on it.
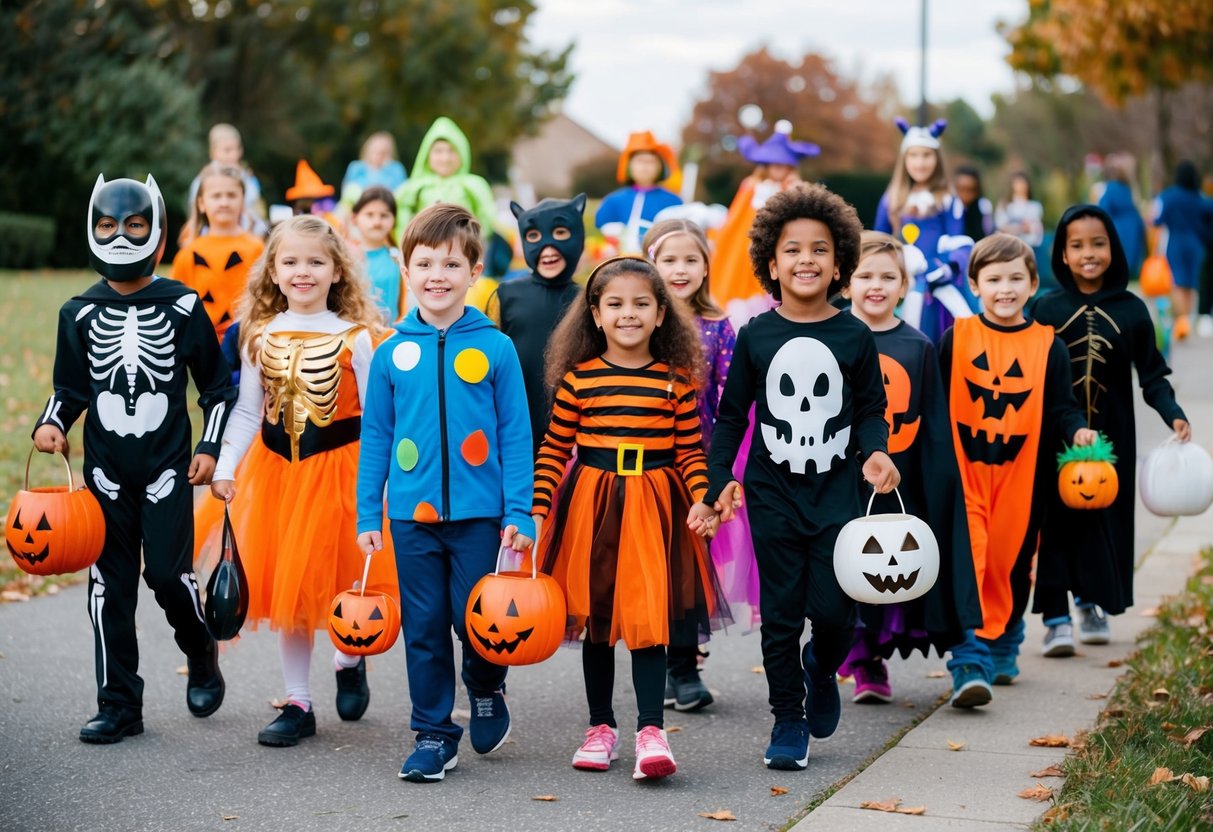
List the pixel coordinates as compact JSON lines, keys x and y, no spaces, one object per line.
{"x":1168,"y":726}
{"x":1161,"y":693}
{"x":776,"y":791}
{"x":1039,"y":792}
{"x":1050,"y":741}
{"x":231,"y":817}
{"x":758,"y":669}
{"x":1056,"y":814}
{"x":547,"y":798}
{"x":956,"y":746}
{"x":908,"y":704}
{"x":673,"y":729}
{"x":1114,"y":662}
{"x":1162,"y":774}
{"x":1050,"y":771}
{"x":1149,"y":612}
{"x":1094,"y":696}
{"x":1192,"y":737}
{"x":893,"y":804}
{"x":1114,"y":711}
{"x":911,"y":810}
{"x":722,"y":814}
{"x":937,"y":674}
{"x":1197,"y":784}
{"x":13,"y":595}
{"x":184,"y":670}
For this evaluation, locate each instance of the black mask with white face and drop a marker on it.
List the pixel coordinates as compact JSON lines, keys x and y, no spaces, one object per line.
{"x":556,"y":223}
{"x":123,"y":255}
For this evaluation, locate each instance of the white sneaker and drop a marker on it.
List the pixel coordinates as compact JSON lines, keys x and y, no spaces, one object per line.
{"x":653,"y":756}
{"x":1059,"y":641}
{"x":1204,"y":326}
{"x":1093,"y":626}
{"x":600,"y":749}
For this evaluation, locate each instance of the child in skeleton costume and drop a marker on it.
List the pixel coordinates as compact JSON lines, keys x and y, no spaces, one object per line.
{"x":813,"y":376}
{"x":1108,"y":332}
{"x":528,"y":309}
{"x":1009,"y":403}
{"x":920,"y":210}
{"x":124,"y":347}
{"x":307,"y":334}
{"x":920,"y":444}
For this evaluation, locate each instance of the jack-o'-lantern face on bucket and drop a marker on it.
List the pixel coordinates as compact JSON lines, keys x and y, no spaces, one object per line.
{"x":364,"y":625}
{"x":512,"y":618}
{"x":903,"y":426}
{"x":996,"y":393}
{"x":1088,"y":485}
{"x":886,"y":558}
{"x":30,"y":541}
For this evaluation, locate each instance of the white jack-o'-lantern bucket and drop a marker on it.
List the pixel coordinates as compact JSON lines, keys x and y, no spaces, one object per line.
{"x":886,"y":558}
{"x":1177,"y":479}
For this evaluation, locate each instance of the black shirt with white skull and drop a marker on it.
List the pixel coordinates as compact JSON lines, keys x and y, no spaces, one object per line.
{"x":819,"y":405}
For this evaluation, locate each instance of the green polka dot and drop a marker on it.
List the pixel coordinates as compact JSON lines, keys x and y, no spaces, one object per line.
{"x":406,"y":455}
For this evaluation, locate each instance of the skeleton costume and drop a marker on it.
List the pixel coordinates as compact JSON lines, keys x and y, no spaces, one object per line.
{"x":819,"y":412}
{"x":123,"y":358}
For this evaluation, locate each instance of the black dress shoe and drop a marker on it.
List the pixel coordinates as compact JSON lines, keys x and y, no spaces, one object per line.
{"x":205,"y":688}
{"x":353,"y":694}
{"x":292,"y":725}
{"x":111,"y":724}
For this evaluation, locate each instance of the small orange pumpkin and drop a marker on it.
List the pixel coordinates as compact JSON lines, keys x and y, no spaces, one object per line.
{"x":364,"y":623}
{"x":516,"y":618}
{"x":1087,"y":476}
{"x":55,"y":530}
{"x":1155,"y":280}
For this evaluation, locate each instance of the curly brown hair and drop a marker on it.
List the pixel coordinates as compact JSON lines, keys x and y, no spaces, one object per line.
{"x":804,"y":202}
{"x":577,"y":338}
{"x":349,"y":297}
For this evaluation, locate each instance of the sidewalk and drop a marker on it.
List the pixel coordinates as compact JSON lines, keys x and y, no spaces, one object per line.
{"x":976,"y":787}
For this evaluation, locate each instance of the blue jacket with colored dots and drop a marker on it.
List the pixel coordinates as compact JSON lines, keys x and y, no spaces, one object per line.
{"x":446,"y":426}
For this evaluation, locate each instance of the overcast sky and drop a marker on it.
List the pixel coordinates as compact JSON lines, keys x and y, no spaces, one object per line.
{"x":641,"y":64}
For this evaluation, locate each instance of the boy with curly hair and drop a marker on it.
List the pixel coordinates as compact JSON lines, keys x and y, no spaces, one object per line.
{"x":813,"y":376}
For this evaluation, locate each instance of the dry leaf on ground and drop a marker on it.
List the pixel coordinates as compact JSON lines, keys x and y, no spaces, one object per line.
{"x":1192,"y":737}
{"x":673,"y":729}
{"x":231,"y":817}
{"x":546,"y":798}
{"x":937,"y":674}
{"x":1039,"y":792}
{"x":1114,"y":662}
{"x":956,"y":746}
{"x":13,"y":595}
{"x":893,"y":804}
{"x":1050,"y":741}
{"x":184,"y":670}
{"x":721,"y":814}
{"x":776,"y":791}
{"x":1161,"y":693}
{"x":1097,"y":696}
{"x":1162,"y":774}
{"x":1049,"y":771}
{"x":758,"y":669}
{"x":1198,"y":784}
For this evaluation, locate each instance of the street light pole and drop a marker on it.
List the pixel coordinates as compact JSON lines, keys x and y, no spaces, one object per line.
{"x":922,"y":65}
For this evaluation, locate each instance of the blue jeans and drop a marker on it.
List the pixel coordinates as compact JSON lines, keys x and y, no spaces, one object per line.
{"x":438,"y":564}
{"x":986,"y":653}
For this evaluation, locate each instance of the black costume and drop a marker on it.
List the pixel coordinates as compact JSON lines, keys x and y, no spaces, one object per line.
{"x":528,"y":309}
{"x":1090,"y":553}
{"x":819,"y":412}
{"x":123,"y":358}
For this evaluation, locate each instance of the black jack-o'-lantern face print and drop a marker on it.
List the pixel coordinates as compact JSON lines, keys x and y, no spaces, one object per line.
{"x":497,"y":633}
{"x":32,"y":542}
{"x":995,"y":395}
{"x":893,"y":575}
{"x":206,"y":275}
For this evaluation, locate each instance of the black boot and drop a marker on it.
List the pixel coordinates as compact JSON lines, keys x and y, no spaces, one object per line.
{"x":205,"y":688}
{"x":292,"y":724}
{"x":353,"y":693}
{"x":111,"y":724}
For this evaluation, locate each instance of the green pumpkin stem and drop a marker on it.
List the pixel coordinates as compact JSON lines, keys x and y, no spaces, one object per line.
{"x":1098,"y":451}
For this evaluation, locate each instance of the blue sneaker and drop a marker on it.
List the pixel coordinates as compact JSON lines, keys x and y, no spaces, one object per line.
{"x":969,"y":687}
{"x":489,"y":726}
{"x":789,"y":748}
{"x":1006,"y":668}
{"x":823,"y":705}
{"x":432,"y":758}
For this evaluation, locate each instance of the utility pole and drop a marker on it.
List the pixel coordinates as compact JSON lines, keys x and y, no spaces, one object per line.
{"x":922,"y":65}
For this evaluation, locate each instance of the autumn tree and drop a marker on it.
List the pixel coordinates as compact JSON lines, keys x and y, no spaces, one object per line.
{"x":1120,"y":49}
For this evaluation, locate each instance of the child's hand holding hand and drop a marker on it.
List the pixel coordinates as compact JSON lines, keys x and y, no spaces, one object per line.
{"x":518,"y":542}
{"x":370,"y":542}
{"x":1183,"y":430}
{"x":202,"y":468}
{"x":223,"y":490}
{"x":50,"y":440}
{"x":729,"y":501}
{"x":881,"y":473}
{"x":702,"y":520}
{"x":1084,"y":436}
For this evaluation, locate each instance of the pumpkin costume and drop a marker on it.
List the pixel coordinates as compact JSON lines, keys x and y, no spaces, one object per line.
{"x":124,"y":359}
{"x":1108,"y":333}
{"x":217,"y":268}
{"x":1008,"y":393}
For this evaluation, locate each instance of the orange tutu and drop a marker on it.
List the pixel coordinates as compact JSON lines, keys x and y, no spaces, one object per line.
{"x":630,"y":568}
{"x":296,"y":527}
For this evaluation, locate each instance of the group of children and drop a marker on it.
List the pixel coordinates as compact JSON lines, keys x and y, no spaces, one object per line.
{"x":609,"y":430}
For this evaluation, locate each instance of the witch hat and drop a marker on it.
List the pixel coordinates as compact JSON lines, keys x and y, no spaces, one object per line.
{"x":779,"y":149}
{"x":308,"y":184}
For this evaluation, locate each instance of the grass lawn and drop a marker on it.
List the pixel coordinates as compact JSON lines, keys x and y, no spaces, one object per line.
{"x":1148,"y":762}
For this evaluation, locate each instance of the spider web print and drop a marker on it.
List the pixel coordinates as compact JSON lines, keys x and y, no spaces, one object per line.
{"x":126,"y":344}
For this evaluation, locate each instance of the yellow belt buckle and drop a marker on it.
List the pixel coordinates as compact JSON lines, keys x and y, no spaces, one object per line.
{"x":637,"y":468}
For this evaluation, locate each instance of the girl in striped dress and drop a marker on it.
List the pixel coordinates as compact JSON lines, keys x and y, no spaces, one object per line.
{"x":626,"y":538}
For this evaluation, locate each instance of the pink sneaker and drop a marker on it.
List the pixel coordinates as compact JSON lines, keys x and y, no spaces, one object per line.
{"x":872,"y":682}
{"x":600,"y":748}
{"x":653,"y":757}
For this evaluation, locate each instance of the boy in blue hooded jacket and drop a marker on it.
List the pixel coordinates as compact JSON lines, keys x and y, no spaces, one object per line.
{"x":446,"y":427}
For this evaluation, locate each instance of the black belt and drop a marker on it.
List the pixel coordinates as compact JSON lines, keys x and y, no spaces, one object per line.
{"x":313,"y":440}
{"x":627,"y":459}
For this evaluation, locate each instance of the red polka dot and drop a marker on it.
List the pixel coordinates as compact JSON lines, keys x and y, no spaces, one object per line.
{"x":425,"y":513}
{"x":475,"y":448}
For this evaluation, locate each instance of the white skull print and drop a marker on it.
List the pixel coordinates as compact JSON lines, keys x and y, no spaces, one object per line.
{"x":804,"y":389}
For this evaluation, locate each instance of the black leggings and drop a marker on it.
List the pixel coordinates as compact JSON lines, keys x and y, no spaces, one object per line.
{"x":648,"y":677}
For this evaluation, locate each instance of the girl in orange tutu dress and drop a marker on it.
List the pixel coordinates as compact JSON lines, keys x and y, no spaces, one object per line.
{"x":626,"y":535}
{"x":308,"y":329}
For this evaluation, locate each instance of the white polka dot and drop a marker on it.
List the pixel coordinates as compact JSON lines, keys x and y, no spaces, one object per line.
{"x":406,"y":355}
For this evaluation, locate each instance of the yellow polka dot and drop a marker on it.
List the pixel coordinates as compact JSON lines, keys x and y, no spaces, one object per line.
{"x":471,"y":365}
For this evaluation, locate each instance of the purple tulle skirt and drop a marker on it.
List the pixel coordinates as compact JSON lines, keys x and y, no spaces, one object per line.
{"x":733,"y":552}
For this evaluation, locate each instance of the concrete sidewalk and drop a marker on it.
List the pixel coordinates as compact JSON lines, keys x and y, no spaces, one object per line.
{"x":976,"y":787}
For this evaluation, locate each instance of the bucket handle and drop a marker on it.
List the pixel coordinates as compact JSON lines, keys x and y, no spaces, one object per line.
{"x":71,"y":480}
{"x":506,"y":547}
{"x":873,"y":498}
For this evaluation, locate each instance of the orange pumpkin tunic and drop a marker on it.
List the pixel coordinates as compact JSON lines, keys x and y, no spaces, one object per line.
{"x":217,"y":268}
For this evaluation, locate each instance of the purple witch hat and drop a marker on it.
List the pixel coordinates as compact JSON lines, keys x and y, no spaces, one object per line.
{"x":778,"y":149}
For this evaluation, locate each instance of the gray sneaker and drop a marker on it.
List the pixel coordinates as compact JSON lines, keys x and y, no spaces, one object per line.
{"x":1059,"y":641}
{"x":1093,"y":626}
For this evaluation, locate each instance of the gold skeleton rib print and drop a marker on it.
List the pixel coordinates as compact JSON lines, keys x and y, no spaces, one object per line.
{"x":302,"y":374}
{"x":1086,"y":387}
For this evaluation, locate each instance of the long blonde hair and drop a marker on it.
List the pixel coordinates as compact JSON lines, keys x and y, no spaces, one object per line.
{"x":901,"y":185}
{"x":349,"y":297}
